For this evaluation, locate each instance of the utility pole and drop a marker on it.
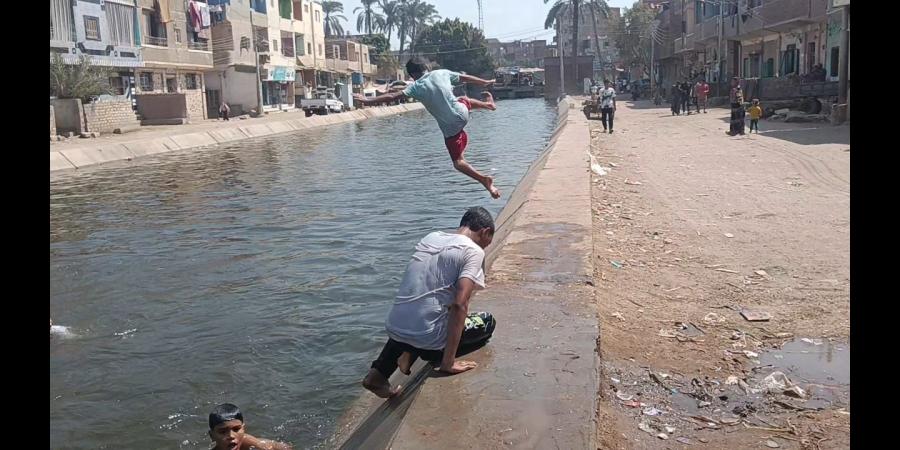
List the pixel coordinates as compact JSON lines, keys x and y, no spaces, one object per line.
{"x":559,"y":47}
{"x":259,"y":102}
{"x":844,"y":56}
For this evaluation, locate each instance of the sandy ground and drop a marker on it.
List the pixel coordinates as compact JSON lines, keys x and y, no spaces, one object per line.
{"x":690,"y":228}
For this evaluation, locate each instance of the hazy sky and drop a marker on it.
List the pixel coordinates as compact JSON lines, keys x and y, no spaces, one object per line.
{"x":506,"y":20}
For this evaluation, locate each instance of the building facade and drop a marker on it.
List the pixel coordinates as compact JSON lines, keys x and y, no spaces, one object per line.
{"x":775,"y":44}
{"x":596,"y":37}
{"x":518,"y":53}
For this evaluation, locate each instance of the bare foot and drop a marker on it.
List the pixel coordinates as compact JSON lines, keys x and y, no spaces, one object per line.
{"x":376,"y":383}
{"x":489,"y":185}
{"x":404,"y":362}
{"x":489,"y":99}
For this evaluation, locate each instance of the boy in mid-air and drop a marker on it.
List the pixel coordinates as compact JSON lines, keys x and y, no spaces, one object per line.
{"x":226,"y":429}
{"x":435,"y":90}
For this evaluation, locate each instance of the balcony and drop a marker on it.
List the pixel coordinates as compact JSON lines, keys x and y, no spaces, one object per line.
{"x":781,"y":16}
{"x":201,"y":46}
{"x":685,"y":45}
{"x":156,"y":41}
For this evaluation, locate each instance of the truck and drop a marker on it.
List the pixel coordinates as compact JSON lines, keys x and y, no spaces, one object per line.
{"x":323,"y":102}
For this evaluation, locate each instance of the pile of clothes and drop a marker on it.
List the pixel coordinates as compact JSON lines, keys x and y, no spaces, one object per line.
{"x":200,"y":23}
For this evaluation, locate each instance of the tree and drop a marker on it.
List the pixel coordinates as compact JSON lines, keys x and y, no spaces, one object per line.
{"x":456,"y":45}
{"x":559,"y":10}
{"x":597,"y":8}
{"x":380,"y":47}
{"x":634,"y":34}
{"x":80,"y":80}
{"x":421,"y":14}
{"x":332,"y":21}
{"x":403,"y":23}
{"x":391,"y":11}
{"x":368,"y":19}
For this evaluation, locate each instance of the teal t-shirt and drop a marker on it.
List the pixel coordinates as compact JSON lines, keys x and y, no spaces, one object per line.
{"x":435,"y":91}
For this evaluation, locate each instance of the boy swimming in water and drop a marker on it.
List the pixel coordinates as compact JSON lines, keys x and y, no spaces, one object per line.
{"x":434,"y":89}
{"x":226,"y":429}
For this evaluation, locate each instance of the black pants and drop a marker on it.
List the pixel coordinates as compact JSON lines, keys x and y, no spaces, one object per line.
{"x":685,"y":105}
{"x":754,"y":125}
{"x":479,"y":328}
{"x":224,"y":115}
{"x":606,"y":116}
{"x":737,"y":119}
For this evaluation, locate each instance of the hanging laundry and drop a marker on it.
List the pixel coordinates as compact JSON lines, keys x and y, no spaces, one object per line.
{"x":204,"y":14}
{"x":162,"y":6}
{"x":196,"y":21}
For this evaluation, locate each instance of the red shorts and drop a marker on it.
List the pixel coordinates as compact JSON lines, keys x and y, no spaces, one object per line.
{"x":456,"y":144}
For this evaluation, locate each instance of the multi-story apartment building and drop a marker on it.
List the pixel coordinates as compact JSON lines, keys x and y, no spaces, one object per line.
{"x":598,"y":42}
{"x":175,"y":37}
{"x":106,"y":33}
{"x":778,"y":42}
{"x":289,"y":39}
{"x":346,"y":55}
{"x":518,"y":53}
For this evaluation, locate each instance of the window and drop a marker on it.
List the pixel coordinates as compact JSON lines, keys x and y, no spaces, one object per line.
{"x":275,"y":44}
{"x":770,"y":68}
{"x":171,"y":84}
{"x":299,"y":45}
{"x":298,"y":11}
{"x":309,"y":48}
{"x":605,"y":44}
{"x":91,"y":28}
{"x":117,"y":85}
{"x":320,"y":49}
{"x":120,"y":20}
{"x":834,"y":63}
{"x":810,"y":56}
{"x":318,"y":19}
{"x":146,"y":79}
{"x":190,"y":81}
{"x":177,"y":34}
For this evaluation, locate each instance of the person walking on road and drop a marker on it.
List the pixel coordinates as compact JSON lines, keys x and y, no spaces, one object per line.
{"x":701,"y":91}
{"x":224,"y":110}
{"x":685,"y":88}
{"x":736,"y":98}
{"x":607,"y":106}
{"x":676,"y":100}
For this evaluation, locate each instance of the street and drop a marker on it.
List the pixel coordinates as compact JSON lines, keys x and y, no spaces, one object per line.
{"x":692,"y":228}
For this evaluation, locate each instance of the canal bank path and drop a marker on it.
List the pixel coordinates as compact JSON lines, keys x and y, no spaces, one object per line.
{"x":536,"y":383}
{"x":77,"y":153}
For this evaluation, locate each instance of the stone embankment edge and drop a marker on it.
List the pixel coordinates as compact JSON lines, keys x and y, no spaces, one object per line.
{"x":79,"y":157}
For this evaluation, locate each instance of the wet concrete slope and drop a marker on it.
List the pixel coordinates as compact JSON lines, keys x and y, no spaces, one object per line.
{"x":536,"y":385}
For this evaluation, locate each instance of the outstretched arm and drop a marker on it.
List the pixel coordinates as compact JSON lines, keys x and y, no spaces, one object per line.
{"x":456,"y":323}
{"x":383,"y":98}
{"x":475,"y":80}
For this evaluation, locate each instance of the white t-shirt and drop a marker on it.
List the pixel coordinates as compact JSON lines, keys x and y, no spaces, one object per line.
{"x":418,"y":316}
{"x":606,"y":97}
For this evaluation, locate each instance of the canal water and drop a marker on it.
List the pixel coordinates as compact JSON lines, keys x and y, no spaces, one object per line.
{"x":257,"y":273}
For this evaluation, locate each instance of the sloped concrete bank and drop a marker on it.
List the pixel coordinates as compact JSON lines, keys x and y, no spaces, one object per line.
{"x":537,"y":380}
{"x":94,"y":154}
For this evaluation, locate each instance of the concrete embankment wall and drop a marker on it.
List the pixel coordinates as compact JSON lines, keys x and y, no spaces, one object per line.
{"x":83,"y":156}
{"x":539,"y":263}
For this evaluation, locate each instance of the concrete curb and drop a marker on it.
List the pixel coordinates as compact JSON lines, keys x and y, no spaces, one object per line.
{"x":78,"y":157}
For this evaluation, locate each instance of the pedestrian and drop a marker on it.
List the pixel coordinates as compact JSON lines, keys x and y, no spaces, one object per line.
{"x":701,"y":90}
{"x":755,"y":114}
{"x":685,"y":96}
{"x":227,"y":431}
{"x":430,"y":316}
{"x":224,"y":110}
{"x":435,"y":90}
{"x":676,"y":100}
{"x":607,"y":105}
{"x":736,"y":97}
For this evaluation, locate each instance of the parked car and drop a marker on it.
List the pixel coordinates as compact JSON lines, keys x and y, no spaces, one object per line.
{"x":324,"y":102}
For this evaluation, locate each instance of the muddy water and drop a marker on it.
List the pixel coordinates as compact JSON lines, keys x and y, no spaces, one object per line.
{"x":257,"y":273}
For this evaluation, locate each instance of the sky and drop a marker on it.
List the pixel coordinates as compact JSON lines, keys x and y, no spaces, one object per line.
{"x":507,"y":20}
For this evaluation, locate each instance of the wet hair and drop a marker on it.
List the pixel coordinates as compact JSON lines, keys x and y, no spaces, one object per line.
{"x":223,"y":413}
{"x":477,"y":218}
{"x":416,"y":66}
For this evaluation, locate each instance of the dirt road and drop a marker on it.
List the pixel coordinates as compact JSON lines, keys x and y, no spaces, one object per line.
{"x":692,"y":227}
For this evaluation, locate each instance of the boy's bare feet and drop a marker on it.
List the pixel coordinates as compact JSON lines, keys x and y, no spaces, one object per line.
{"x":376,"y":383}
{"x":489,"y":185}
{"x":404,"y":363}
{"x":489,"y":99}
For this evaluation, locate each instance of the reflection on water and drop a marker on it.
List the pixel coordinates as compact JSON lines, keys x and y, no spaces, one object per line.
{"x":257,"y":273}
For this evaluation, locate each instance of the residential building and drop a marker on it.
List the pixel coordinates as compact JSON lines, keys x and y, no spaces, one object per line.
{"x":289,"y":39}
{"x":518,"y":53}
{"x":776,"y":44}
{"x":107,"y":35}
{"x":595,"y":39}
{"x":175,"y":36}
{"x":347,"y":55}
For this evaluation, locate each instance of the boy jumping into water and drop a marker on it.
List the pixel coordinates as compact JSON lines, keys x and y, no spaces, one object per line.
{"x":226,"y":429}
{"x":435,"y":90}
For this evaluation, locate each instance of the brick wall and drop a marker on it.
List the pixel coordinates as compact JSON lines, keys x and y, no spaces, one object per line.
{"x":107,"y":115}
{"x":52,"y":122}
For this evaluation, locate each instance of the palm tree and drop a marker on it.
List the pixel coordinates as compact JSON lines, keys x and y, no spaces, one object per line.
{"x":554,"y":17}
{"x":421,"y":14}
{"x":391,"y":12}
{"x":597,"y":8}
{"x":368,"y":19}
{"x":332,"y":19}
{"x":403,"y":7}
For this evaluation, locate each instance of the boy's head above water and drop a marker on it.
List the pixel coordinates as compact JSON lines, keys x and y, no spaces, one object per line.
{"x":226,"y":427}
{"x":416,"y":67}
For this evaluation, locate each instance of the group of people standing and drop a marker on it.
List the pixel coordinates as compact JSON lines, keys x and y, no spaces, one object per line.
{"x":684,"y":94}
{"x":739,"y":114}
